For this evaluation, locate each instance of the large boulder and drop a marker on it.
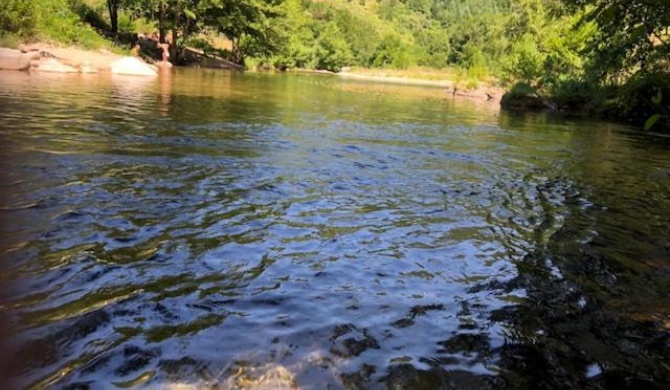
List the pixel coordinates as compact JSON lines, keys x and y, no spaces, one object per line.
{"x":523,"y":97}
{"x":15,"y":60}
{"x":530,"y":102}
{"x":55,"y":66}
{"x":132,"y":66}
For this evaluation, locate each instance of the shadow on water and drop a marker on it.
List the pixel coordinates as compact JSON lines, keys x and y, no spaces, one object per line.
{"x":219,"y":230}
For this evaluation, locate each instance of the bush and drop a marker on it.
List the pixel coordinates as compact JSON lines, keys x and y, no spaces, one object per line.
{"x":332,"y":51}
{"x":51,"y":20}
{"x":393,"y":52}
{"x":19,"y":17}
{"x":90,"y":15}
{"x":11,"y":41}
{"x":637,"y":96}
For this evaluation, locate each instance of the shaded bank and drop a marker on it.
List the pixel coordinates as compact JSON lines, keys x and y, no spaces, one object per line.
{"x":636,"y":102}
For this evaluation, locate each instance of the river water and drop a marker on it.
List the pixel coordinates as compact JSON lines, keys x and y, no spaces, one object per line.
{"x":224,"y":230}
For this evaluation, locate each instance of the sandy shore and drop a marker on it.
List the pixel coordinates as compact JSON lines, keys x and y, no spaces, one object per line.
{"x":491,"y":93}
{"x":397,"y":80}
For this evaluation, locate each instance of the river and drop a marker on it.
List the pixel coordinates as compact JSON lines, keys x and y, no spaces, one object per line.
{"x":211,"y":229}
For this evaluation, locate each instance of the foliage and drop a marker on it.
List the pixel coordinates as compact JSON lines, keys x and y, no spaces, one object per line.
{"x":332,"y":51}
{"x":247,"y":23}
{"x":298,"y":51}
{"x":19,"y":17}
{"x":633,"y":35}
{"x":10,"y":40}
{"x":48,"y":20}
{"x":629,"y":56}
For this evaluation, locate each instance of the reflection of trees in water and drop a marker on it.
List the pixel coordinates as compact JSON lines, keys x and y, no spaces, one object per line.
{"x":570,"y":332}
{"x":130,"y":95}
{"x":165,"y":90}
{"x":587,"y":320}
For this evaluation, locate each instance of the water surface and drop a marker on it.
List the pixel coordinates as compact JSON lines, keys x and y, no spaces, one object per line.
{"x":228,"y":230}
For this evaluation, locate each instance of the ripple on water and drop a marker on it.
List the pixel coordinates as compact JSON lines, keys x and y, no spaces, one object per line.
{"x":161,"y":238}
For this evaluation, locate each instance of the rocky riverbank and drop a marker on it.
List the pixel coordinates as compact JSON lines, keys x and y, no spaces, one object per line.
{"x":45,"y":58}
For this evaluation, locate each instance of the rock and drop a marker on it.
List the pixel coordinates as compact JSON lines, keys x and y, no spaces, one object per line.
{"x":53,"y":65}
{"x":87,"y":68}
{"x":28,"y":48}
{"x":524,"y":102}
{"x":15,"y":60}
{"x":132,"y":66}
{"x":477,"y":93}
{"x":523,"y":97}
{"x":267,"y":378}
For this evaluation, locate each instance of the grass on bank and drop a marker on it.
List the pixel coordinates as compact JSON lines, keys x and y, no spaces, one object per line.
{"x":55,"y":22}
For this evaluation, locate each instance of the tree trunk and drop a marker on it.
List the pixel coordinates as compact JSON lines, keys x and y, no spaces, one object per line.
{"x":236,"y":52}
{"x":161,"y":22}
{"x":113,"y":7}
{"x":174,"y":50}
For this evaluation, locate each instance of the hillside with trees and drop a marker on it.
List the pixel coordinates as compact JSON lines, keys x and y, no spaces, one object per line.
{"x":601,"y":57}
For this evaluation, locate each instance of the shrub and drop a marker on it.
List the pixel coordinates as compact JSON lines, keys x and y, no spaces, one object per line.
{"x":19,"y":17}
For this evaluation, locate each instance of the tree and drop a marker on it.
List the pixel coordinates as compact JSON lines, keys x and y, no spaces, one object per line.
{"x":634,"y":34}
{"x":332,"y":51}
{"x":297,"y":24}
{"x":249,"y":24}
{"x":113,"y":8}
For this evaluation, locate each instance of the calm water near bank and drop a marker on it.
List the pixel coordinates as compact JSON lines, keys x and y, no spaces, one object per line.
{"x":229,"y":230}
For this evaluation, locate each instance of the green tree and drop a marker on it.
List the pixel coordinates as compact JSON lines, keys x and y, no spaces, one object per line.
{"x":332,"y":50}
{"x":18,"y":17}
{"x":634,"y":35}
{"x":249,"y":24}
{"x":298,"y":52}
{"x":628,"y":58}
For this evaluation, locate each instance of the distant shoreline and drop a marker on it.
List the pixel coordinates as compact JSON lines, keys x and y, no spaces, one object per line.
{"x":489,"y":93}
{"x":397,"y":80}
{"x":485,"y":92}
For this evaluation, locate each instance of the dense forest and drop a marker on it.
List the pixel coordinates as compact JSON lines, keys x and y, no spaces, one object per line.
{"x":601,"y":57}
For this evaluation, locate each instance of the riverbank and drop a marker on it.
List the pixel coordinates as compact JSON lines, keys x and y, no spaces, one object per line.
{"x":486,"y":91}
{"x":51,"y":58}
{"x":641,"y":101}
{"x":447,"y":79}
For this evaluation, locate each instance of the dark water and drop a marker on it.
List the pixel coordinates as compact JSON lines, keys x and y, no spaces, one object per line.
{"x":218,"y":230}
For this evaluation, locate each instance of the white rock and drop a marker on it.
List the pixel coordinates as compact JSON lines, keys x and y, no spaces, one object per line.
{"x":15,"y":60}
{"x":53,"y":65}
{"x":28,"y":48}
{"x":87,"y":68}
{"x":132,"y":66}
